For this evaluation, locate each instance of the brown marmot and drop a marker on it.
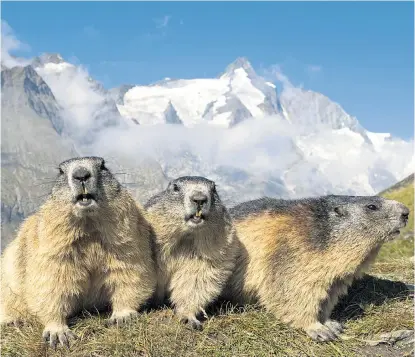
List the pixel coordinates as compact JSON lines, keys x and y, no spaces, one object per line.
{"x":87,"y":246}
{"x":298,"y":256}
{"x":195,"y":245}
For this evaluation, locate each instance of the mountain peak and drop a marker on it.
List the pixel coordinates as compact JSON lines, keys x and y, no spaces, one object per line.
{"x":19,"y":74}
{"x":48,"y":58}
{"x":239,"y":63}
{"x":23,"y":87}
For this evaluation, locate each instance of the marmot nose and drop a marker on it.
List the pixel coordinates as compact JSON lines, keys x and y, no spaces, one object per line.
{"x":404,"y":213}
{"x":405,"y":216}
{"x":81,"y":174}
{"x":199,"y":198}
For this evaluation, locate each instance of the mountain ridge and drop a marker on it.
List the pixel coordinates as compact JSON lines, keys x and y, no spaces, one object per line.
{"x":33,"y":143}
{"x":273,"y":104}
{"x":236,"y":129}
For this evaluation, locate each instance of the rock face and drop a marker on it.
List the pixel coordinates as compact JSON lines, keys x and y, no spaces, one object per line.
{"x":31,"y":145}
{"x":171,"y":115}
{"x":117,"y":94}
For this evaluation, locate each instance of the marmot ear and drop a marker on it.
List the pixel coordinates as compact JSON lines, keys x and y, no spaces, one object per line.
{"x":340,"y":211}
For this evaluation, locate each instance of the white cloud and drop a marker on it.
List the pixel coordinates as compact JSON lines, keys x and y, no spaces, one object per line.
{"x":163,"y":21}
{"x":274,"y":73}
{"x":273,"y":156}
{"x":160,"y":31}
{"x":265,"y":151}
{"x":80,"y":98}
{"x":10,"y":44}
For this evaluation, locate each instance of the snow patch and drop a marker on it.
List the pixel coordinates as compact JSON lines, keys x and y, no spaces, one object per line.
{"x":250,"y":96}
{"x":189,"y":98}
{"x":51,"y":67}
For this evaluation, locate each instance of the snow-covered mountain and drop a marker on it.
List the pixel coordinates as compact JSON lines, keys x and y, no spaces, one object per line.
{"x":314,"y":111}
{"x":235,"y":129}
{"x":239,"y":93}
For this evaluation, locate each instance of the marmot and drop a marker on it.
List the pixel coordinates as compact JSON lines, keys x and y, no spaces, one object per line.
{"x":87,"y":246}
{"x":298,"y":256}
{"x":195,"y":245}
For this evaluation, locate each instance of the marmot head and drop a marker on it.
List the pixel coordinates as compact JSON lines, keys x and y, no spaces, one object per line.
{"x":85,"y":184}
{"x":191,"y":201}
{"x":374,"y":217}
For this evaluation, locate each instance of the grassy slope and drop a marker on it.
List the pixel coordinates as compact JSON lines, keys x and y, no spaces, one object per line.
{"x":373,"y":306}
{"x":394,"y":259}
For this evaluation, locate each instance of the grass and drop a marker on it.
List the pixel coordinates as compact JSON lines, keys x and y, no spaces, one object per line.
{"x":403,"y":192}
{"x":374,"y":305}
{"x":395,"y":258}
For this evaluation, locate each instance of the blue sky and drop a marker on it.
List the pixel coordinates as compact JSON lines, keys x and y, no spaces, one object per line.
{"x":359,"y":54}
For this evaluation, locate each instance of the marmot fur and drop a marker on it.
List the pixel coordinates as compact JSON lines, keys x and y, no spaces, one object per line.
{"x":195,"y":245}
{"x":87,"y":246}
{"x":298,"y":256}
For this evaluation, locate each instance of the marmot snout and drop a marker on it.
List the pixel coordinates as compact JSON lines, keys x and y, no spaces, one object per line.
{"x":85,"y":184}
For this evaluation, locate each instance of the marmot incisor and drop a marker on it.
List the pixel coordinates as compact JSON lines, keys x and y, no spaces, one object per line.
{"x":195,"y":245}
{"x":298,"y":256}
{"x":88,"y":245}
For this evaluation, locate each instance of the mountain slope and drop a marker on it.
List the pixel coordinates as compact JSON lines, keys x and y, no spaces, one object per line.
{"x":403,"y":192}
{"x":31,"y":144}
{"x":396,"y":258}
{"x":88,"y":106}
{"x":314,"y":110}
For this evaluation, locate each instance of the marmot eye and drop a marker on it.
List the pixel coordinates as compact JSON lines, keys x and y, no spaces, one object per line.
{"x":372,"y":207}
{"x":176,"y":188}
{"x":61,"y":171}
{"x":103,"y":167}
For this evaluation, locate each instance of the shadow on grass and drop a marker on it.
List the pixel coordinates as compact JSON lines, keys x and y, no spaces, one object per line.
{"x":368,"y":291}
{"x":104,"y":312}
{"x":365,"y":292}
